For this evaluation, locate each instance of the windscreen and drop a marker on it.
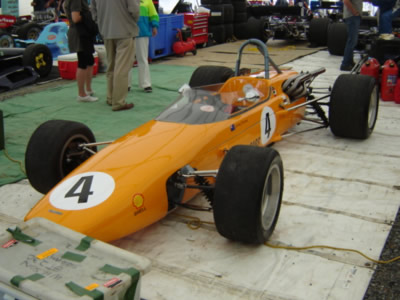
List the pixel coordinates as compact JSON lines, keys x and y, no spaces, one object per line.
{"x":196,"y":106}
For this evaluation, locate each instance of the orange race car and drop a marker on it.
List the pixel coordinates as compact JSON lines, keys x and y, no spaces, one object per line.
{"x":214,"y":139}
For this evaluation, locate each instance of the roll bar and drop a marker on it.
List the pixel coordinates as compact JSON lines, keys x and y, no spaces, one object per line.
{"x":262,"y":48}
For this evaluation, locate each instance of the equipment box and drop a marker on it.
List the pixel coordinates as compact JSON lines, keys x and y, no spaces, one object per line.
{"x":68,"y":64}
{"x":161,"y":44}
{"x":43,"y":260}
{"x":383,"y":50}
{"x":198,"y":22}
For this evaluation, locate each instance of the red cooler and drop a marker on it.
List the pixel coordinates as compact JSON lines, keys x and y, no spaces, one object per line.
{"x":68,"y":64}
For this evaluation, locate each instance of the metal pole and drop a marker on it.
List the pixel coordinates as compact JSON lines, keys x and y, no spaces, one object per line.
{"x":1,"y":131}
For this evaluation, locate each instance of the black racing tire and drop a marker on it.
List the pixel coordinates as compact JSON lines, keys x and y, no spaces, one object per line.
{"x":240,"y":7}
{"x":217,"y":15}
{"x":228,"y":31}
{"x":6,"y":40}
{"x":39,"y":57}
{"x":53,"y":152}
{"x":206,"y":75}
{"x":240,"y":31}
{"x":337,"y":36}
{"x":318,"y":31}
{"x":29,"y":31}
{"x":248,"y":194}
{"x":354,"y":105}
{"x":256,"y":28}
{"x":218,"y":33}
{"x":228,"y":13}
{"x":240,"y":17}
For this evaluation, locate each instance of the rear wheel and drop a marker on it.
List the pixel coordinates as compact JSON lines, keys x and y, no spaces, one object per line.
{"x":39,"y":57}
{"x":206,"y":75}
{"x":318,"y":31}
{"x":54,"y":151}
{"x":353,"y":107}
{"x":6,"y":40}
{"x":29,"y":31}
{"x":248,"y":194}
{"x":256,"y":28}
{"x":337,"y":36}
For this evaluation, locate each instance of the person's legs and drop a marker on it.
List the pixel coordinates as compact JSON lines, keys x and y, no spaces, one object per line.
{"x":353,"y":24}
{"x":130,"y":72}
{"x":88,"y":80}
{"x":81,"y":72}
{"x":80,"y":80}
{"x":123,"y":63}
{"x":85,"y":65}
{"x":385,"y":22}
{"x":110,"y":53}
{"x":89,"y":73}
{"x":142,"y":53}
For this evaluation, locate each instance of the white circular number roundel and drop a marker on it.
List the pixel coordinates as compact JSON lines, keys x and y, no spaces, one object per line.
{"x":82,"y":191}
{"x":268,"y":124}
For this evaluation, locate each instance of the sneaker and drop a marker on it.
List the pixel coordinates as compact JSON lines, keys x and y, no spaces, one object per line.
{"x":386,"y":36}
{"x":87,"y":98}
{"x":346,"y":67}
{"x":90,"y":93}
{"x":148,"y":89}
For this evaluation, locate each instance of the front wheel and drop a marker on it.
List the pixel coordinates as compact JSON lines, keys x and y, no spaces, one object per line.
{"x":353,"y":107}
{"x":54,"y":150}
{"x":248,"y":194}
{"x":39,"y":57}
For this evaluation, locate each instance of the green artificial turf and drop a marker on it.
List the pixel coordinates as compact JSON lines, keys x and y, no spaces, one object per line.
{"x":23,"y":114}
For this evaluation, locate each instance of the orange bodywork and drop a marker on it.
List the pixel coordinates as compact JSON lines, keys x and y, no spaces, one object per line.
{"x":135,"y":168}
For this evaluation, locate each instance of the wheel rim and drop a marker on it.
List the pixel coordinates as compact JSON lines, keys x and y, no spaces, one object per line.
{"x":271,"y":197}
{"x":33,"y":34}
{"x":373,"y":108}
{"x":72,"y":154}
{"x":40,"y":61}
{"x":6,"y":42}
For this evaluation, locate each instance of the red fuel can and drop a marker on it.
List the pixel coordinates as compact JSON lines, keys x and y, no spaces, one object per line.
{"x":390,"y":73}
{"x":372,"y":68}
{"x":396,"y":92}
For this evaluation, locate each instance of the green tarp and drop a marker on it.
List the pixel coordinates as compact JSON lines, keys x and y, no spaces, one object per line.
{"x":23,"y":114}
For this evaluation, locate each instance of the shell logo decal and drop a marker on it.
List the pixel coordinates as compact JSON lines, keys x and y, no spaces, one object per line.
{"x":138,"y":203}
{"x":138,"y":200}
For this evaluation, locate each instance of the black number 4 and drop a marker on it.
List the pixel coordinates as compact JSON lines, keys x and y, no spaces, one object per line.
{"x":84,"y":193}
{"x":267,"y":125}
